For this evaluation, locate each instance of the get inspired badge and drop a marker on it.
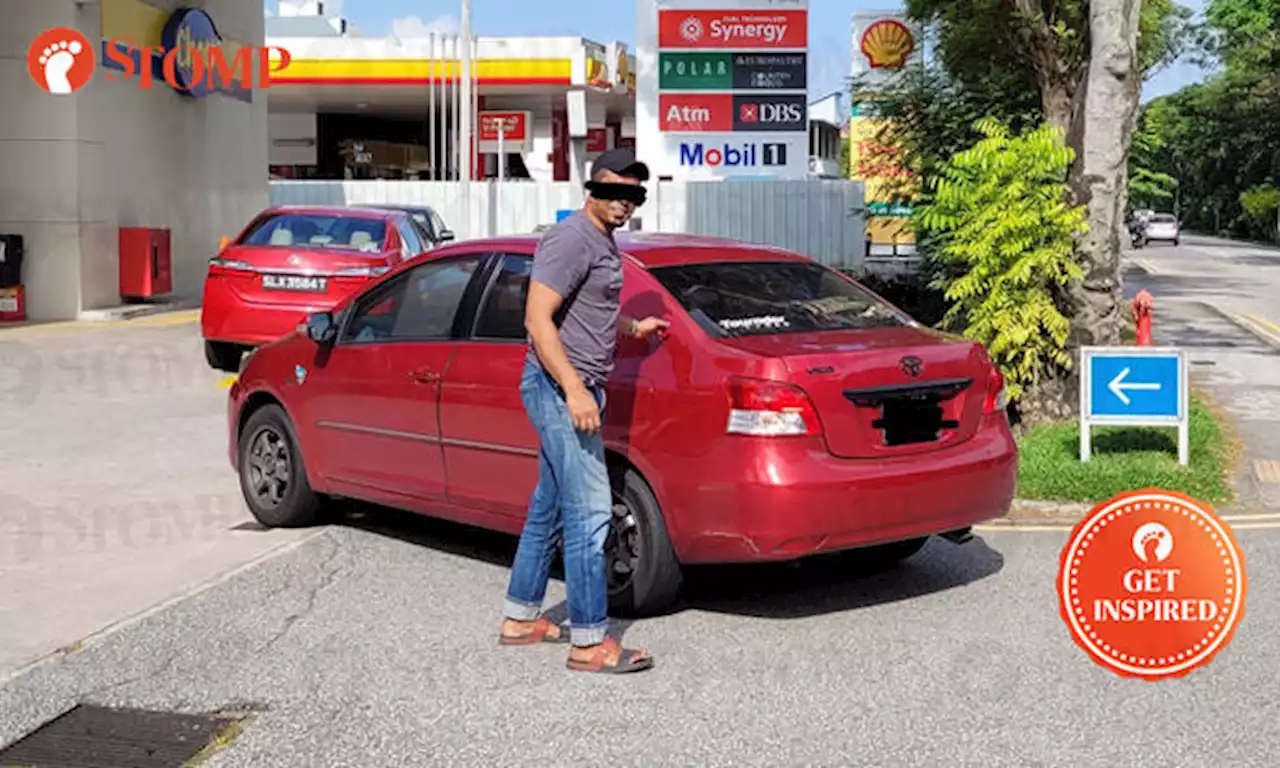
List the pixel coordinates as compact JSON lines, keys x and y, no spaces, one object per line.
{"x":1151,"y":584}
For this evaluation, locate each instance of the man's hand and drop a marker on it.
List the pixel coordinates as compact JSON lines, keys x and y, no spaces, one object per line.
{"x":584,"y":410}
{"x":644,"y":328}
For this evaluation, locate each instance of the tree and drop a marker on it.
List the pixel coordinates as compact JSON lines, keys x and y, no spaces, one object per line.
{"x":1001,"y":221}
{"x":1086,"y":61}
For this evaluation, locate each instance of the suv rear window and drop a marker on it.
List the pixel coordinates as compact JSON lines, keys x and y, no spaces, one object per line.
{"x":314,"y":230}
{"x":1164,"y":218}
{"x":751,"y":298}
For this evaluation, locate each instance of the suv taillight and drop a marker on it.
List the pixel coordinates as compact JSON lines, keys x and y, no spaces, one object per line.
{"x":996,"y":400}
{"x":770,"y":409}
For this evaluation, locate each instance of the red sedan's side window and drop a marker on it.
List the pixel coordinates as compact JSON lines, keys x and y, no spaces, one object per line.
{"x":416,"y":305}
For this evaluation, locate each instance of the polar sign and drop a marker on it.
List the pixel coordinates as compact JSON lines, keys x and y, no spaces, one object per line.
{"x":770,"y":112}
{"x":716,"y":71}
{"x":1133,"y":386}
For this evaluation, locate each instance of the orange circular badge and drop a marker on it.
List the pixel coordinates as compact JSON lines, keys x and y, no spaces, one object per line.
{"x":61,"y":60}
{"x":1151,"y":584}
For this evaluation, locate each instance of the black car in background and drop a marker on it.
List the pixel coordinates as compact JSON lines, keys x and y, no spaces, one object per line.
{"x":437,"y":232}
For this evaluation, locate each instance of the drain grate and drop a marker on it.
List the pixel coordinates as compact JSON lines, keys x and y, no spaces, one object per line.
{"x":97,"y":737}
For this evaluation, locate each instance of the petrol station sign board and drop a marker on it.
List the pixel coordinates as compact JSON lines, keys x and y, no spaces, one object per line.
{"x":727,"y":96}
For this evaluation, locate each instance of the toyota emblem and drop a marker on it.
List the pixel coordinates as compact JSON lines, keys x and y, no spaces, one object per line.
{"x":911,"y":365}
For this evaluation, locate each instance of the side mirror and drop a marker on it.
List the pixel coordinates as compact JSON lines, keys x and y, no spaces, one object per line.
{"x":446,"y":236}
{"x":223,"y":243}
{"x":321,"y":328}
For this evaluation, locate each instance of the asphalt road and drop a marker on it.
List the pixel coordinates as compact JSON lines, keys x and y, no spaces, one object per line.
{"x":372,"y":642}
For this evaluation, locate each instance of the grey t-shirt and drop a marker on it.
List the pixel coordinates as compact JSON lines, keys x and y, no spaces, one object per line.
{"x":581,"y":263}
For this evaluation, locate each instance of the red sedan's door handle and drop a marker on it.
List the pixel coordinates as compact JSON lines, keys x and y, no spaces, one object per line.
{"x":424,"y":376}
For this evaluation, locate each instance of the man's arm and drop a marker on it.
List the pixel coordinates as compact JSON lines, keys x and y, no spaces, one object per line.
{"x":539,"y":320}
{"x":559,"y":267}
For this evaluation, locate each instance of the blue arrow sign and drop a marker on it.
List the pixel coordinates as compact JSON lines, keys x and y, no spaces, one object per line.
{"x":1122,"y":383}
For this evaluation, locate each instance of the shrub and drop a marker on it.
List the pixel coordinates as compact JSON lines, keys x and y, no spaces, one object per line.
{"x":1003,"y":234}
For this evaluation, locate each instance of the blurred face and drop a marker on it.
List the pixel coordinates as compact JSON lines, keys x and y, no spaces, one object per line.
{"x":614,"y":199}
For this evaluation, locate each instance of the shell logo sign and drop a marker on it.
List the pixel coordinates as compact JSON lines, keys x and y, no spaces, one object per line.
{"x":887,"y":44}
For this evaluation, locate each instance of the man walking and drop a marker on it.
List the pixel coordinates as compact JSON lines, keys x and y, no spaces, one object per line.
{"x":573,"y":318}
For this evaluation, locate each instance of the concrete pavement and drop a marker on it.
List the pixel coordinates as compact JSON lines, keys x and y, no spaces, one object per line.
{"x":372,"y":642}
{"x":373,"y":645}
{"x":115,"y":492}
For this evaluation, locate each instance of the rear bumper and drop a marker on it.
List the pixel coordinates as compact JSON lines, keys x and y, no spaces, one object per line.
{"x":226,"y":317}
{"x":791,"y":499}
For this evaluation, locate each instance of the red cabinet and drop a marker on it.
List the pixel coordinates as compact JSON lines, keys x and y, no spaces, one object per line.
{"x":146,"y":269}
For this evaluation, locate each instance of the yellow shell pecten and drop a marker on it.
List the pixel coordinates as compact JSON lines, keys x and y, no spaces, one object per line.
{"x":887,"y":44}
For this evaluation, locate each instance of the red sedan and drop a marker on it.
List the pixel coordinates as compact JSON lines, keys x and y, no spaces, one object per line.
{"x":292,"y":261}
{"x":788,"y":411}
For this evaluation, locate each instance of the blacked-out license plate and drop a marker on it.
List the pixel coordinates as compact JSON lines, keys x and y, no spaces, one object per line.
{"x":304,"y":283}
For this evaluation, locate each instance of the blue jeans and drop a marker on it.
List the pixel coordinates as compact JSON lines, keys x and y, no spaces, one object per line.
{"x":572,"y":500}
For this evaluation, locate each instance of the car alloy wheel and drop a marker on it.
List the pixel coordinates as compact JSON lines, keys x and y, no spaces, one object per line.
{"x":270,"y":467}
{"x":622,"y":546}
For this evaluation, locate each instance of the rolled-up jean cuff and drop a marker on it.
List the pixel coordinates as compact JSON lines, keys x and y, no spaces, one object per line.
{"x":518,"y":611}
{"x":585,"y":636}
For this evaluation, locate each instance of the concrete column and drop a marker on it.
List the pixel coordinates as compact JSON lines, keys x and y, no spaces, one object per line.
{"x":41,"y":147}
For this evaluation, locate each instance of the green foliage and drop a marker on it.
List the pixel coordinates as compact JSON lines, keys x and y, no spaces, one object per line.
{"x":1220,"y":139}
{"x":1260,"y":205}
{"x":1004,"y":234}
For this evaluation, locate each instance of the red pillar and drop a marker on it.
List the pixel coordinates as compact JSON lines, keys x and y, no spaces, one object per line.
{"x":560,"y":143}
{"x":477,"y":159}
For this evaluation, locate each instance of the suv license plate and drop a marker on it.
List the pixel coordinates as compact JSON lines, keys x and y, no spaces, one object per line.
{"x":304,"y":283}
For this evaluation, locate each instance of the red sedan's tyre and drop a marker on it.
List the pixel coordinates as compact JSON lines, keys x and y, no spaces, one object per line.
{"x":223,"y":356}
{"x":273,"y":477}
{"x":644,"y":574}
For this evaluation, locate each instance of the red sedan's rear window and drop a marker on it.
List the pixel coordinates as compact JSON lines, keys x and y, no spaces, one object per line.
{"x":316,"y":230}
{"x":750,"y":298}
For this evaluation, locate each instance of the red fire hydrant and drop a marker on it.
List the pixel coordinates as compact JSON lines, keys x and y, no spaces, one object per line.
{"x":1141,"y":310}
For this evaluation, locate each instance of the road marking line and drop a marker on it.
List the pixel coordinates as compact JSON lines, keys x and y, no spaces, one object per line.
{"x":228,"y":382}
{"x":1260,"y":320}
{"x":1255,"y":328}
{"x":1248,"y":518}
{"x":1267,"y":471}
{"x":171,"y":318}
{"x":1147,"y":266}
{"x":1251,"y":526}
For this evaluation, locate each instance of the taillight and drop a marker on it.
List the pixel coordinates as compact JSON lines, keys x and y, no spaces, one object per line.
{"x":363,"y":271}
{"x":770,"y":409}
{"x":996,"y":400}
{"x":233,"y":264}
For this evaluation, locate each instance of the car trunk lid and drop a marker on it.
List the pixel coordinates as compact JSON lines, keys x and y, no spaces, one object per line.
{"x":279,"y":275}
{"x":883,"y":392}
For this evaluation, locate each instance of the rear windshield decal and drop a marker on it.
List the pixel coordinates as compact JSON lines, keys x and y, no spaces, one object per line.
{"x":765,"y":321}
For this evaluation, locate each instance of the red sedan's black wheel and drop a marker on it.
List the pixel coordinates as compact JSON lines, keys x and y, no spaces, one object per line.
{"x":272,"y":475}
{"x":644,"y":574}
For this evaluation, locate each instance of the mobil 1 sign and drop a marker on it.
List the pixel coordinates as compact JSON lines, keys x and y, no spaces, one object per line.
{"x":771,"y":112}
{"x":1134,"y":386}
{"x":734,"y":155}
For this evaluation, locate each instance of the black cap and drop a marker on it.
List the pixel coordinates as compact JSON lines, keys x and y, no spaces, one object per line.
{"x":622,"y":162}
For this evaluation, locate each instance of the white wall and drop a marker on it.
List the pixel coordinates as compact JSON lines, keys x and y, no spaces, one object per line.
{"x":78,"y":167}
{"x":821,"y":219}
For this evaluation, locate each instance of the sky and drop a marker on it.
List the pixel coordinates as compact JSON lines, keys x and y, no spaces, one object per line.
{"x":607,"y":20}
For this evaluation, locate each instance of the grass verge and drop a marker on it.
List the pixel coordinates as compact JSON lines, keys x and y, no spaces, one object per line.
{"x":1129,"y":458}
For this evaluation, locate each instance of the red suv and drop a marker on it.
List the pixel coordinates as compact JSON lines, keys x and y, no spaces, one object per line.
{"x":292,"y":261}
{"x":787,"y":412}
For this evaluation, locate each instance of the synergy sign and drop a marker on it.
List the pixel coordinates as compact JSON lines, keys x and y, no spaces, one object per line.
{"x":729,"y":98}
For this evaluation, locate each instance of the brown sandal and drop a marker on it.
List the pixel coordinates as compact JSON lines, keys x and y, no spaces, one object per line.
{"x":629,"y":660}
{"x":541,"y":633}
